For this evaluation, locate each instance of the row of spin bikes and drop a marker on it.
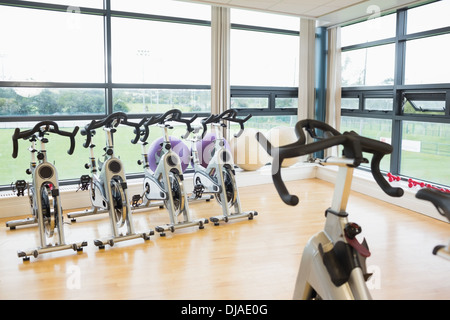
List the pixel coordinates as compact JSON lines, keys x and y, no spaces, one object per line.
{"x":333,"y":264}
{"x":163,"y":182}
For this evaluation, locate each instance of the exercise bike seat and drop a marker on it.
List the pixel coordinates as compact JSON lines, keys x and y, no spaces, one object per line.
{"x":439,"y":199}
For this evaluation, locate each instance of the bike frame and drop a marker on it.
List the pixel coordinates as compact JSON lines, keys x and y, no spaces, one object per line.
{"x":101,"y":194}
{"x":160,"y":186}
{"x":45,"y":175}
{"x":313,"y":276}
{"x":212,"y":177}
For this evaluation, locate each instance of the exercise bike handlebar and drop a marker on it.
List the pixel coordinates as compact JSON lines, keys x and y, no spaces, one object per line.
{"x":171,"y":115}
{"x":240,"y":121}
{"x":113,"y":120}
{"x":229,"y":115}
{"x":441,"y":200}
{"x":49,"y":126}
{"x":354,"y":145}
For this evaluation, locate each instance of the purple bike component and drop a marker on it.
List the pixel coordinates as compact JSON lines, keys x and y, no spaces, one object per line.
{"x":178,"y":146}
{"x":205,"y":148}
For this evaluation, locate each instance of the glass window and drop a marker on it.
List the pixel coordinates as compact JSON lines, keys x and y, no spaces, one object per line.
{"x":45,"y":101}
{"x":73,"y":4}
{"x":56,"y":147}
{"x":262,"y":19}
{"x":424,"y":103}
{"x":265,"y":123}
{"x":426,"y":151}
{"x":286,"y":102}
{"x":369,"y":67}
{"x":249,"y":103}
{"x":71,"y":166}
{"x":170,"y":8}
{"x":161,"y":100}
{"x":378,"y":104}
{"x":431,"y":16}
{"x":427,"y":60}
{"x":350,"y":103}
{"x":378,"y":129}
{"x":258,"y":60}
{"x":369,"y":30}
{"x":160,"y":52}
{"x":50,"y":46}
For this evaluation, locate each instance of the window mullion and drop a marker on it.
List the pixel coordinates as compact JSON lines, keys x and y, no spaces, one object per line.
{"x":399,"y":76}
{"x":272,"y":101}
{"x":447,"y":103}
{"x":108,"y":62}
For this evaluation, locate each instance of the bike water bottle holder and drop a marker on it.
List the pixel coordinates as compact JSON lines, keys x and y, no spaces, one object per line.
{"x":136,"y":200}
{"x":19,"y":187}
{"x":198,"y":190}
{"x":85,"y":181}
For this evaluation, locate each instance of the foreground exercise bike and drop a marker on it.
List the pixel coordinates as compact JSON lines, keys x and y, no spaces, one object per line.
{"x":44,"y":192}
{"x":108,"y":184}
{"x":218,"y":177}
{"x":166,"y":182}
{"x":333,"y":264}
{"x":441,"y":201}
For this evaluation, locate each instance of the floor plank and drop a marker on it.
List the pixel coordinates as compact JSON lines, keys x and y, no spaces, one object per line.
{"x":242,"y":259}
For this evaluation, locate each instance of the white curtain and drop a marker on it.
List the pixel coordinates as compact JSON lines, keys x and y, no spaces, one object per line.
{"x":333,"y":112}
{"x":220,"y":62}
{"x":306,"y":90}
{"x":333,"y":103}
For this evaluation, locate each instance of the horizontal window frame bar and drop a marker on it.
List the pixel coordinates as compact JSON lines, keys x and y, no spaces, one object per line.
{"x":51,"y":7}
{"x":391,"y":40}
{"x":158,"y":86}
{"x":400,"y":87}
{"x":269,"y":92}
{"x":88,"y":117}
{"x":250,"y":94}
{"x":98,"y":85}
{"x":60,"y":85}
{"x":388,"y":114}
{"x":423,"y":118}
{"x":428,"y":86}
{"x":374,"y":93}
{"x":245,"y":27}
{"x":35,"y":118}
{"x":263,"y":88}
{"x":367,"y":88}
{"x":158,"y":18}
{"x":424,"y":96}
{"x":266,"y":112}
{"x":392,"y":116}
{"x":424,"y":34}
{"x":370,"y":44}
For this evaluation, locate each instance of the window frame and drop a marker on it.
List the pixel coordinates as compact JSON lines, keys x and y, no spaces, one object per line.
{"x":108,"y":85}
{"x":399,"y":88}
{"x":265,"y":91}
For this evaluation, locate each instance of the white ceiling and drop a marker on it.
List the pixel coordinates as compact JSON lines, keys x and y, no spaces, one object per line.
{"x":325,"y":12}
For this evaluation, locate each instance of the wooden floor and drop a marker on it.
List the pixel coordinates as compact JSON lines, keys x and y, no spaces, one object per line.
{"x":243,"y":259}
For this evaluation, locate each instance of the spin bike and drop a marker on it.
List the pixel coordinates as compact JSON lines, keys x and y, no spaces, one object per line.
{"x":333,"y":264}
{"x":166,"y":182}
{"x":218,"y":177}
{"x":44,"y":192}
{"x":441,"y":201}
{"x":108,"y":184}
